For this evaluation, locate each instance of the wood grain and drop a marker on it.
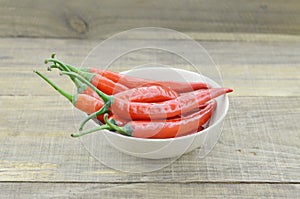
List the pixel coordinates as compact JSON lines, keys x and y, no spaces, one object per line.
{"x":260,"y":143}
{"x":252,"y":69}
{"x":257,"y":156}
{"x":148,"y":190}
{"x":204,"y":19}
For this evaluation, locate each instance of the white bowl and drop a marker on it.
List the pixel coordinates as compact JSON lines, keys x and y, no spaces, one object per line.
{"x":172,"y":147}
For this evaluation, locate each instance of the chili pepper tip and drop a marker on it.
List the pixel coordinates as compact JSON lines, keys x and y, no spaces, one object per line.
{"x":53,"y":55}
{"x":46,"y":61}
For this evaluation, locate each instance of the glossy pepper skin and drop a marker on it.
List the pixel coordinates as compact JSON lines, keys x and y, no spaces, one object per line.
{"x":87,"y":103}
{"x":170,"y":128}
{"x":149,"y":93}
{"x":133,"y":82}
{"x":166,"y":109}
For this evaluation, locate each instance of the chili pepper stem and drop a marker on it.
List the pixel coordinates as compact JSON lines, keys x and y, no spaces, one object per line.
{"x":104,"y":109}
{"x":80,"y":86}
{"x":55,"y":61}
{"x":67,"y":95}
{"x":105,"y":98}
{"x":64,"y":66}
{"x":53,"y":66}
{"x":122,"y":130}
{"x":102,"y":127}
{"x":83,"y":73}
{"x":74,"y":69}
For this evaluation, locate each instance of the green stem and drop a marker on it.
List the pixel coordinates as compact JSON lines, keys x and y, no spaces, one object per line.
{"x":84,"y":70}
{"x":54,"y":66}
{"x":105,"y":98}
{"x":78,"y":70}
{"x":123,"y":130}
{"x":104,"y":109}
{"x":88,"y":76}
{"x":102,"y":127}
{"x":80,"y":86}
{"x":74,"y":69}
{"x":67,"y":95}
{"x":69,"y":68}
{"x":62,"y":67}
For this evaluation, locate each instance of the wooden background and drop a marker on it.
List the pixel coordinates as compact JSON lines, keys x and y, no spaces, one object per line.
{"x":256,"y":45}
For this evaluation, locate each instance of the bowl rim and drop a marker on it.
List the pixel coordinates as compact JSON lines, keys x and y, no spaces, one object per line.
{"x":220,"y":119}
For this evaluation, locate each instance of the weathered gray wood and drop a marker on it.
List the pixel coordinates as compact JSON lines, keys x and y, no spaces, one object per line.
{"x":252,"y":69}
{"x":204,"y":19}
{"x":260,"y":143}
{"x":147,"y":190}
{"x":257,"y":156}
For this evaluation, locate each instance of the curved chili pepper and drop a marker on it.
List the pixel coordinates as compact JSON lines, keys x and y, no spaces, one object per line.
{"x":166,"y":109}
{"x":132,"y":82}
{"x":159,"y":129}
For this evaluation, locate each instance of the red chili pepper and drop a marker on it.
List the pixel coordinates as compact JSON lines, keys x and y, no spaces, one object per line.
{"x":132,"y":82}
{"x":160,"y":129}
{"x":166,"y":109}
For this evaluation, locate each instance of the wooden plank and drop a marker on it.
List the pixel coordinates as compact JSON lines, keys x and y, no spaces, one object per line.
{"x":252,"y":69}
{"x":94,"y":19}
{"x":147,"y":190}
{"x":260,"y":143}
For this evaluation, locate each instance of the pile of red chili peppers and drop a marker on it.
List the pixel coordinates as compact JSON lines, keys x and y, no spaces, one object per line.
{"x":137,"y":107}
